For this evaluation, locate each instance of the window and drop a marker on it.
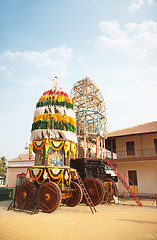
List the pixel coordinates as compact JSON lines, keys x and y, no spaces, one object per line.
{"x":155,"y":144}
{"x":133,"y":177}
{"x":130,"y":148}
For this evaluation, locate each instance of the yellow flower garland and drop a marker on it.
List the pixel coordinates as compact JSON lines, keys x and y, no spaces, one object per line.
{"x":55,"y":177}
{"x":68,"y":146}
{"x":56,"y":117}
{"x":53,"y":147}
{"x":30,"y":149}
{"x":40,"y":182}
{"x":35,"y":178}
{"x":41,"y":146}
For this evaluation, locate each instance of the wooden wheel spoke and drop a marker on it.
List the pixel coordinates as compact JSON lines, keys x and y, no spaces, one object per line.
{"x":77,"y":195}
{"x":51,"y":189}
{"x":30,"y":189}
{"x":110,"y":189}
{"x":49,"y":196}
{"x":25,"y":194}
{"x":44,"y":205}
{"x":95,"y":190}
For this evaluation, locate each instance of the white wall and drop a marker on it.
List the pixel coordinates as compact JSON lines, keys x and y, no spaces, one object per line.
{"x":146,"y":175}
{"x":146,"y":169}
{"x":145,"y":142}
{"x":12,"y":175}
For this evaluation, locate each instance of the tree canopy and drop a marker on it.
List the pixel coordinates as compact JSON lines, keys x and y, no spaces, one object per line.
{"x":3,"y":162}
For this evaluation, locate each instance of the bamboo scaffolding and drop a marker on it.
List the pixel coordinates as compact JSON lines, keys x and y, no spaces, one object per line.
{"x":90,"y":112}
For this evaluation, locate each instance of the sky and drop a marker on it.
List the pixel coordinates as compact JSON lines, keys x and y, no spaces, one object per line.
{"x":113,"y":42}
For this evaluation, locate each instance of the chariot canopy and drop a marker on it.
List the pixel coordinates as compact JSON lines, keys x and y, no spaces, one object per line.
{"x":53,"y":133}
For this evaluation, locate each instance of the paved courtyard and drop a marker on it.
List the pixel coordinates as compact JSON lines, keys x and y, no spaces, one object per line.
{"x":111,"y":222}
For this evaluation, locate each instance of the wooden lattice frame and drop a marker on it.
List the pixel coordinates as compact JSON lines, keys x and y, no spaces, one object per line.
{"x":89,"y":107}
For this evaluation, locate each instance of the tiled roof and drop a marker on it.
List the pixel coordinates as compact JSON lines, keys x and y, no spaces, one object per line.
{"x":150,"y":127}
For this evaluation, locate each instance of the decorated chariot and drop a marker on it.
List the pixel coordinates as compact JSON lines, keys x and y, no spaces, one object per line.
{"x":53,"y":140}
{"x":51,"y":181}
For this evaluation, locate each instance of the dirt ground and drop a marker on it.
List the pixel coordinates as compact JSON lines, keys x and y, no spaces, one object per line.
{"x":125,"y":221}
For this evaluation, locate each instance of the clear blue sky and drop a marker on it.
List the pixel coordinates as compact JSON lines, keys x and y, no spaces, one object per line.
{"x":113,"y":42}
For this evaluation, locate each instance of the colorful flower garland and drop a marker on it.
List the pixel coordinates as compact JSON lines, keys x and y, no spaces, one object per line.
{"x":68,"y":146}
{"x":56,"y":145}
{"x":50,"y":103}
{"x":39,"y":144}
{"x":35,"y":173}
{"x":55,"y":175}
{"x":55,"y":97}
{"x":51,"y":124}
{"x":55,"y":117}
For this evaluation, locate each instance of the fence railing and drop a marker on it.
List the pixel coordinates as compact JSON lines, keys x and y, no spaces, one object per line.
{"x":27,"y":163}
{"x":138,"y":153}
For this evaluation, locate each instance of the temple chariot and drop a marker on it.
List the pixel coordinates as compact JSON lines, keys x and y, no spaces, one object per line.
{"x":55,"y":177}
{"x":53,"y":141}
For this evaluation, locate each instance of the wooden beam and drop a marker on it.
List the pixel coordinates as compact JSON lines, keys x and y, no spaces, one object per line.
{"x":97,"y":147}
{"x":84,"y":145}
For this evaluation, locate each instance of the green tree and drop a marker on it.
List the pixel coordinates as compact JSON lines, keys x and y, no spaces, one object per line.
{"x":3,"y":162}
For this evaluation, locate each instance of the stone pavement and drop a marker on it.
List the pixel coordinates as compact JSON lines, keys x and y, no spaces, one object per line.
{"x":111,"y":222}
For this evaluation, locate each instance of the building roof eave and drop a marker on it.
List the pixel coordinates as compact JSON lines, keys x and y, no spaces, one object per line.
{"x":146,"y":128}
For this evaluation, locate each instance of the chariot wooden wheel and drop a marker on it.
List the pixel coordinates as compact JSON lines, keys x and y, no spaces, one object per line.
{"x":110,"y":188}
{"x":77,"y":195}
{"x":25,"y":195}
{"x":95,"y":190}
{"x":49,"y":197}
